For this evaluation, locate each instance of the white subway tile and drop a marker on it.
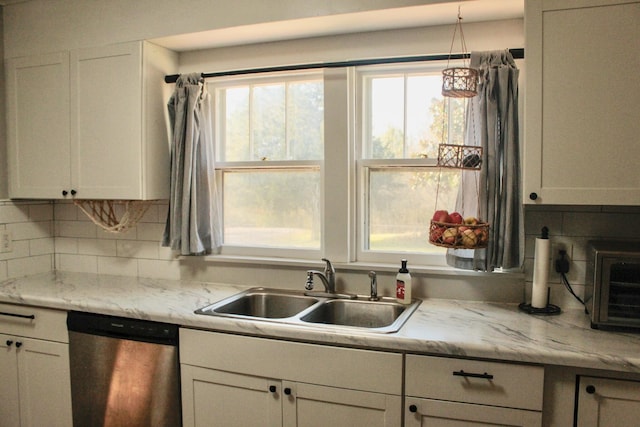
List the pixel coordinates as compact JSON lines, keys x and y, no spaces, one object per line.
{"x":118,"y":266}
{"x":159,"y":269}
{"x":150,"y":231}
{"x":31,"y":265}
{"x":66,"y":245}
{"x":30,"y":230}
{"x":75,"y":229}
{"x":137,"y":249}
{"x":14,"y":213}
{"x":77,"y":263}
{"x":41,"y":246}
{"x":41,"y":212}
{"x":65,"y":211}
{"x":97,"y":247}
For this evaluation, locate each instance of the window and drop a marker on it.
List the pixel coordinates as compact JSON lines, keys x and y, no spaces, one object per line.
{"x":404,"y":118}
{"x":277,"y":168}
{"x":269,"y":147}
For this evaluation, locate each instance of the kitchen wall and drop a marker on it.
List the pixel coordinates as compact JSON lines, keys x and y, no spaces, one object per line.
{"x":49,"y":235}
{"x":58,"y":234}
{"x":30,"y":226}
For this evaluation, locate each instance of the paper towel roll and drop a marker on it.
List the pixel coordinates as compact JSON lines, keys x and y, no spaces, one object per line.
{"x":541,"y":273}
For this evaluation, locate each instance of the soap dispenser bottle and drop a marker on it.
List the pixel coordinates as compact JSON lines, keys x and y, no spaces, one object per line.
{"x":403,"y":284}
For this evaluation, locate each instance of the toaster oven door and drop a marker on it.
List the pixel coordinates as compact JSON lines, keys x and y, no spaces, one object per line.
{"x":620,"y":292}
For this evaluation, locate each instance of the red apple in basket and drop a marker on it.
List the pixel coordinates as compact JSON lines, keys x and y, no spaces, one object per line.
{"x":456,"y":218}
{"x":436,"y":233}
{"x":441,"y":216}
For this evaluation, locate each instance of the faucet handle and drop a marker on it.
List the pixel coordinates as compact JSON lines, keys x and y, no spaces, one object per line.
{"x":329,"y":267}
{"x":374,"y":286}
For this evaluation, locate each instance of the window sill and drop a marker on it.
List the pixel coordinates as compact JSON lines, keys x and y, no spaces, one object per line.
{"x":439,"y":270}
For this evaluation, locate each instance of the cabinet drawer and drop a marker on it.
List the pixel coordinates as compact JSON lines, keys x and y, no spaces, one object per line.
{"x":34,"y":322}
{"x":475,"y":381}
{"x":355,"y":369}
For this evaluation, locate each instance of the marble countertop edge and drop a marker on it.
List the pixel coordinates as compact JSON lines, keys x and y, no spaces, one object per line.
{"x":450,"y":328}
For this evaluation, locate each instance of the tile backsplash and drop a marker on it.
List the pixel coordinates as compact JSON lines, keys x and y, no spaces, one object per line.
{"x":57,"y":235}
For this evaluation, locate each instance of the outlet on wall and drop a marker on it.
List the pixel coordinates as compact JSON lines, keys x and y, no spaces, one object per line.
{"x":6,"y":241}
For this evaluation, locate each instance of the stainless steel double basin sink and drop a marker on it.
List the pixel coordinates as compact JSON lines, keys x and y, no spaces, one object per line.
{"x":385,"y":315}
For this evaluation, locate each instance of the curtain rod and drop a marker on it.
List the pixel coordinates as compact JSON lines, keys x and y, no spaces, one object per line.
{"x":172,"y":78}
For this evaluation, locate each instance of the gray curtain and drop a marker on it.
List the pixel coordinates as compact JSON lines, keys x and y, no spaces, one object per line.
{"x":494,"y":192}
{"x":193,"y":222}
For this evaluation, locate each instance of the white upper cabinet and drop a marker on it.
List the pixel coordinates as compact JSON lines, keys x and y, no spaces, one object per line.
{"x":582,"y":131}
{"x":38,"y":125}
{"x":107,"y":108}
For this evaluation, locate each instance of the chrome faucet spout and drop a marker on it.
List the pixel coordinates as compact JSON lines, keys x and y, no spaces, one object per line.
{"x":323,"y":278}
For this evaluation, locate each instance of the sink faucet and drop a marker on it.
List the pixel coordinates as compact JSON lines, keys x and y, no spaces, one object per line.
{"x":328,"y":278}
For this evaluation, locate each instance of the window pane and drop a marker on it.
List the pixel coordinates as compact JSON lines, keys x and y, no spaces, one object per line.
{"x":268,"y":122}
{"x":414,"y":127}
{"x":236,"y":125}
{"x":387,"y":118}
{"x":305,"y":120}
{"x":401,"y":204}
{"x":272,"y":208}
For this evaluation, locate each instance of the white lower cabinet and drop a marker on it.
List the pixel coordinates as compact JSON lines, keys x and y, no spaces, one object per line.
{"x":231,"y":380}
{"x":35,"y":389}
{"x":457,"y":392}
{"x":607,"y":402}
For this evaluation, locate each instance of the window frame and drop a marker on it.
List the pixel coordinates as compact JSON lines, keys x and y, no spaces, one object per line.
{"x":342,"y":188}
{"x":214,"y":86}
{"x":363,"y":77}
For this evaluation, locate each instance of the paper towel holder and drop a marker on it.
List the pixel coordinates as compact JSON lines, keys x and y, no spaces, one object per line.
{"x":549,"y":310}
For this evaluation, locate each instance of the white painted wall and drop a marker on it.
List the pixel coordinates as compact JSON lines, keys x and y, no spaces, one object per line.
{"x":39,"y":26}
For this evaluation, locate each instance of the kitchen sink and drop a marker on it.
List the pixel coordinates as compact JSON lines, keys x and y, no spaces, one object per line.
{"x":385,"y":315}
{"x":262,"y":303}
{"x":359,"y":313}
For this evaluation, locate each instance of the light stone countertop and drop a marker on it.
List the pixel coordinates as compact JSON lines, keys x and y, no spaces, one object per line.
{"x":439,"y":327}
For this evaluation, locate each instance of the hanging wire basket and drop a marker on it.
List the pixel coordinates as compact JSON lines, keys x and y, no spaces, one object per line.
{"x":457,"y":156}
{"x":459,"y":82}
{"x":114,"y":216}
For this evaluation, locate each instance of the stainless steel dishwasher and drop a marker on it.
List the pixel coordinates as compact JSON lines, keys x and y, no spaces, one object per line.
{"x":124,"y":372}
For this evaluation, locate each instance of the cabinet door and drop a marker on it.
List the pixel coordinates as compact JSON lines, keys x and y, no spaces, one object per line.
{"x":311,"y":405}
{"x":606,"y":402}
{"x":9,"y":405}
{"x":44,"y":383}
{"x":106,"y":121}
{"x":38,"y":126}
{"x":217,"y":398}
{"x":581,"y":144}
{"x":438,"y":413}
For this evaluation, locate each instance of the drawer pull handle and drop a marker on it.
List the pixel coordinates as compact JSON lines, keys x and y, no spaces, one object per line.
{"x":590,"y":389}
{"x":413,"y":408}
{"x":22,"y":316}
{"x":272,"y":388}
{"x":462,"y":373}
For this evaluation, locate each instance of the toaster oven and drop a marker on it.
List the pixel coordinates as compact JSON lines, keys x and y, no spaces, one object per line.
{"x":612,"y":293}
